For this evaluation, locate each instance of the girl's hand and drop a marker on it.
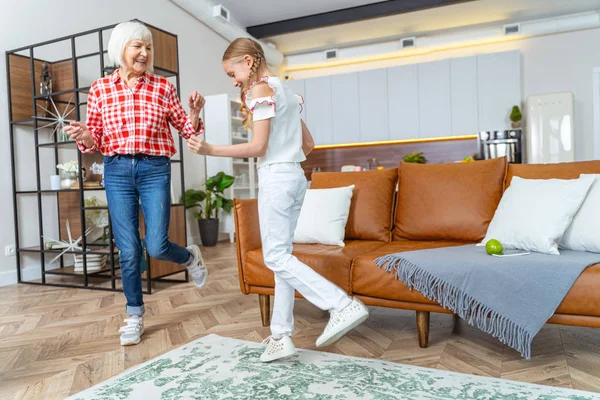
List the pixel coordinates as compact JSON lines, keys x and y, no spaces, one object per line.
{"x":78,"y":132}
{"x":195,"y":102}
{"x":198,"y":146}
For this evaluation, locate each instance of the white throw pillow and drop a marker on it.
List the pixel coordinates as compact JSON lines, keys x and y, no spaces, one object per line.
{"x":584,"y":232}
{"x":323,"y":216}
{"x":534,"y":214}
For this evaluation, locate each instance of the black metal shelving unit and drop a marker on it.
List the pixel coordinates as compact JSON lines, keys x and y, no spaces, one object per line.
{"x":27,"y":55}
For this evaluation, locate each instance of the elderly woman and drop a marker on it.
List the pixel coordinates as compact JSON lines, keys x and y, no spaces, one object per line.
{"x":128,"y":117}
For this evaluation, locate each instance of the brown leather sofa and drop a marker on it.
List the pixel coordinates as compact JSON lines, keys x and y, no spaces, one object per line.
{"x":433,"y":206}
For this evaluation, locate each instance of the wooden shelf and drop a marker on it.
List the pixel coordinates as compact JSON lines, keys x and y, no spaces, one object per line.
{"x":28,"y":108}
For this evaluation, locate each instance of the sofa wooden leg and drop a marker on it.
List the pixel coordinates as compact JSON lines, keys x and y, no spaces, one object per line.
{"x":423,"y":328}
{"x":456,"y":327}
{"x":265,"y":309}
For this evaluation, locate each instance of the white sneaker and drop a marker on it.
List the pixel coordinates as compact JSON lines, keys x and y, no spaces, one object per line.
{"x":342,"y":322}
{"x":133,"y":331}
{"x":197,"y":269}
{"x":277,"y":348}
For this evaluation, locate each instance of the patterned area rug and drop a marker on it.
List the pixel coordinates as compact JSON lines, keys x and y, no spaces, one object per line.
{"x":215,"y":367}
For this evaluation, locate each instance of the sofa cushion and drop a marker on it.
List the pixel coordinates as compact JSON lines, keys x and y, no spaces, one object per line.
{"x":584,"y":232}
{"x":570,"y":170}
{"x":324,"y":216}
{"x":454,"y":201}
{"x":370,"y":280}
{"x":332,"y":262}
{"x":372,"y":201}
{"x":534,"y":214}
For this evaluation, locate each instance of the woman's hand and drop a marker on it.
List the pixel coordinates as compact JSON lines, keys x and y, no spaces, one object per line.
{"x":195,"y":102}
{"x":198,"y":146}
{"x":79,"y":132}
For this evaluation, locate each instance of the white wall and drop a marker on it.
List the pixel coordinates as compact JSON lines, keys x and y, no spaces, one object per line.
{"x":28,"y":22}
{"x":561,"y":62}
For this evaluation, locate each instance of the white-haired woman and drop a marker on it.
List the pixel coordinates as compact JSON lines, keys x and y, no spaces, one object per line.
{"x":128,"y":117}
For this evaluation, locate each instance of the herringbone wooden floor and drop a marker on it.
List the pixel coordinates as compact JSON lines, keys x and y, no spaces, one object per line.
{"x":55,"y":342}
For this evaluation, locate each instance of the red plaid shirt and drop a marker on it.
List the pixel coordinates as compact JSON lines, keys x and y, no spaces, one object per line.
{"x":135,"y":121}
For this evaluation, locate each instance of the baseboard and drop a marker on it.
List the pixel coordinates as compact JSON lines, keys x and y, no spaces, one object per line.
{"x":223,"y":237}
{"x":194,"y":240}
{"x":28,"y":273}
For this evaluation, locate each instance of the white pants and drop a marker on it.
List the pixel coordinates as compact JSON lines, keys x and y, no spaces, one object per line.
{"x":280,"y":197}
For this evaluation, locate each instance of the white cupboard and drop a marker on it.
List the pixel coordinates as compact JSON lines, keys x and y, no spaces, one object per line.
{"x":318,"y":103}
{"x":450,"y":97}
{"x":403,"y":102}
{"x":372,"y":101}
{"x":434,"y":99}
{"x":463,"y":96}
{"x":345,"y":108}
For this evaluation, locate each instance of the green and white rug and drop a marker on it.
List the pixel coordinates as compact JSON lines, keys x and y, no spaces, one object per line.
{"x":215,"y":367}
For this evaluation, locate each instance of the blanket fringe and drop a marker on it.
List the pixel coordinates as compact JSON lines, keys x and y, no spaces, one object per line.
{"x":467,"y":308}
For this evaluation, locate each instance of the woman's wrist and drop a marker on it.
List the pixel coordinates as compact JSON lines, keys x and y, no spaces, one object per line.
{"x":195,"y":120}
{"x":88,"y":142}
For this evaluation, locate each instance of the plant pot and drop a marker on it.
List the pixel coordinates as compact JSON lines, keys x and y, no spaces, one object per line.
{"x":209,"y":231}
{"x":516,"y":125}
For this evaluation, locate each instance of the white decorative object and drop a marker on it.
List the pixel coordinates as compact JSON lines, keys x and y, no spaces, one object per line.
{"x":68,"y":174}
{"x":59,"y":120}
{"x":584,"y":232}
{"x":55,"y":182}
{"x":534,"y":214}
{"x":71,"y":245}
{"x":550,"y":132}
{"x":323,"y":216}
{"x":98,"y":169}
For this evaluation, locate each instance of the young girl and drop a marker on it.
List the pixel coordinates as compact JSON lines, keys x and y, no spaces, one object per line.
{"x":280,"y":141}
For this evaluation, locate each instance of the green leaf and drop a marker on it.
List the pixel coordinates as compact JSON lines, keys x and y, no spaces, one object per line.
{"x":224,"y":181}
{"x":194,"y":197}
{"x":227,"y":205}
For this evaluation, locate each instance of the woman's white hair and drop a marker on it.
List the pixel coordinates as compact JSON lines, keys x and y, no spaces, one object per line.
{"x":124,"y":33}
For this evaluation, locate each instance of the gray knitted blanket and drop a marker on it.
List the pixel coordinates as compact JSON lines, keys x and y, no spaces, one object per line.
{"x":510,"y":298}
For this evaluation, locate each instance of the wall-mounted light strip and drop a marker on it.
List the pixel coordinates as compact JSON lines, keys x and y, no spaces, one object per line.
{"x":391,"y":142}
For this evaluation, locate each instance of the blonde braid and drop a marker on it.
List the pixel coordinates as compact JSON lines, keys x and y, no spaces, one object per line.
{"x":255,"y":65}
{"x":236,"y":51}
{"x":247,"y":122}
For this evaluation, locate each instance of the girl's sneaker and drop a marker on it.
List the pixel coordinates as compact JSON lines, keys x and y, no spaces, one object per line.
{"x":342,"y":322}
{"x":277,"y":348}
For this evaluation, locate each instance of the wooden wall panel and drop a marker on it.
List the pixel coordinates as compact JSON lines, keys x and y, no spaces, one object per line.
{"x":62,"y":79}
{"x":388,"y":155}
{"x":69,"y":208}
{"x":20,"y":86}
{"x":165,"y":50}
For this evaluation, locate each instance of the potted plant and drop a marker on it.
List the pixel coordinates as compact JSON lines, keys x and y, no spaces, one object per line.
{"x":515,"y":117}
{"x":68,"y":174}
{"x":417,"y":158}
{"x":210,"y":201}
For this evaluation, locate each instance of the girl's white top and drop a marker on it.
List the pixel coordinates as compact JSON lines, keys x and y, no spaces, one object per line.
{"x":284,"y":108}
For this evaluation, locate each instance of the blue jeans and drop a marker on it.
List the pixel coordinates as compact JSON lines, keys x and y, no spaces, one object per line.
{"x":129,"y":179}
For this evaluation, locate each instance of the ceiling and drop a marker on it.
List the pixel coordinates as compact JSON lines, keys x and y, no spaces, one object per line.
{"x":257,"y":12}
{"x":477,"y":13}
